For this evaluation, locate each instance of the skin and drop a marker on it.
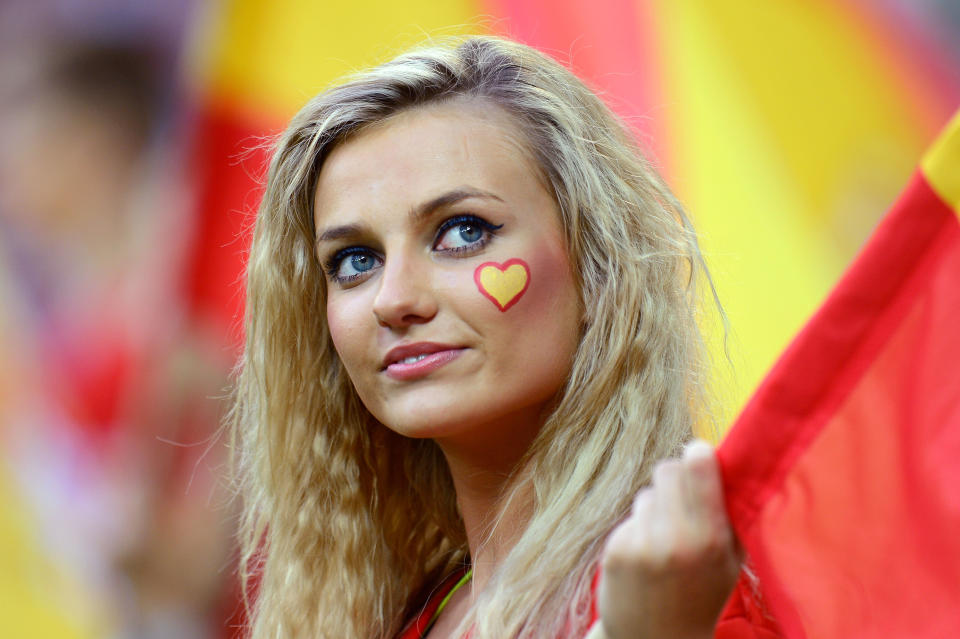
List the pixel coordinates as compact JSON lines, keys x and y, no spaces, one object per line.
{"x":398,"y":274}
{"x":482,"y":409}
{"x":676,"y":548}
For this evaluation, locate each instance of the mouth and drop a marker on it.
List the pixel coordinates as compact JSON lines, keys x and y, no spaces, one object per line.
{"x":411,"y":361}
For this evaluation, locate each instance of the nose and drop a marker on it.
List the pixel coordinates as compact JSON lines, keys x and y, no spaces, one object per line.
{"x":405,"y":296}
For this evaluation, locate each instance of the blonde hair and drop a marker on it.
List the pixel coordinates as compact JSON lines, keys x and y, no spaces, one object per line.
{"x":346,"y":523}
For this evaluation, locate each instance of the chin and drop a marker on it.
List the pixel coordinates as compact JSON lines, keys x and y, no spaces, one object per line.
{"x":424,"y":422}
{"x":477,"y":423}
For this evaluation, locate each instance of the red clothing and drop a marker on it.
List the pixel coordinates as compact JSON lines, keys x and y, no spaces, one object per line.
{"x":419,"y":625}
{"x":742,"y":618}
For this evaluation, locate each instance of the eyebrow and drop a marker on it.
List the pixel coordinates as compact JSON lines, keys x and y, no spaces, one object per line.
{"x":416,"y":214}
{"x":448,"y":198}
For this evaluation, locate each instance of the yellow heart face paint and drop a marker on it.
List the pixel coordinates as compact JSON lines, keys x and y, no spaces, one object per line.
{"x":503,"y":284}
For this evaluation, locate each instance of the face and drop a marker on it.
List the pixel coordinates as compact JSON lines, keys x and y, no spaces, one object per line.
{"x":450,"y":298}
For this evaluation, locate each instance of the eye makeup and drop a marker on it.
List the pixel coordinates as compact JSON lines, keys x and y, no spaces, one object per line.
{"x":360,"y":259}
{"x":464,"y":233}
{"x":457,"y":236}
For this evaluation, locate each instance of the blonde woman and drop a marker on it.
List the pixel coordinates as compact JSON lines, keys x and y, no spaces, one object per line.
{"x":470,"y":346}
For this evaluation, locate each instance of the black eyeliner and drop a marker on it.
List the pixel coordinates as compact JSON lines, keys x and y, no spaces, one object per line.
{"x":332,"y":265}
{"x":467,"y":219}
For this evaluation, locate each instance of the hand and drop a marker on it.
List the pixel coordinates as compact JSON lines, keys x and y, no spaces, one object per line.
{"x":670,"y":566}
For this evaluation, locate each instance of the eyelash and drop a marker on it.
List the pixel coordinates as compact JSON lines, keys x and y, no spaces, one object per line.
{"x":461,"y":220}
{"x":332,"y":265}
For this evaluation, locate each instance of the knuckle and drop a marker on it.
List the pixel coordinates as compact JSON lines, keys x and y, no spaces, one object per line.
{"x":628,"y":549}
{"x":699,"y":450}
{"x":643,"y":500}
{"x":666,"y":470}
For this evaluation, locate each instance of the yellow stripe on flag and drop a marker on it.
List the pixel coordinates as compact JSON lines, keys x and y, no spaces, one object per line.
{"x":941,"y":164}
{"x":746,"y":204}
{"x":269,"y":58}
{"x":788,"y":139}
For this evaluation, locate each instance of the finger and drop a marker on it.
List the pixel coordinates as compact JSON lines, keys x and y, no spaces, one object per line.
{"x":631,"y":537}
{"x":703,"y":487}
{"x":671,"y":520}
{"x":643,"y":501}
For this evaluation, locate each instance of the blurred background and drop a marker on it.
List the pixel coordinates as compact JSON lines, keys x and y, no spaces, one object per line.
{"x":131,"y":161}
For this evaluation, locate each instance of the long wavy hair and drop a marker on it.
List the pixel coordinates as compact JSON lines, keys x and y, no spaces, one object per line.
{"x":347,"y":524}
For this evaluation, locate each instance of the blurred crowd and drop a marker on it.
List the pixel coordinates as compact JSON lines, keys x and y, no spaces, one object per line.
{"x":108,"y":398}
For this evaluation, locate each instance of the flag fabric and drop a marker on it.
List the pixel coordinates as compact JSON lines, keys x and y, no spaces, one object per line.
{"x":842,"y":474}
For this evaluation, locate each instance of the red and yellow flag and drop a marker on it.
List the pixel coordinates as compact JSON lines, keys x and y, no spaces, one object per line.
{"x":842,"y":472}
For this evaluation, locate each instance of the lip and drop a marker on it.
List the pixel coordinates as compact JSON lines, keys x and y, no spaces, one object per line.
{"x":435,"y":356}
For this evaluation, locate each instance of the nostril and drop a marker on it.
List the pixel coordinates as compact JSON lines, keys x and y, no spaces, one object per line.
{"x":402,"y":303}
{"x":382,"y":320}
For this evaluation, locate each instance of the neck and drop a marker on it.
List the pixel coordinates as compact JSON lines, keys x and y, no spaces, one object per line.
{"x":482,"y":477}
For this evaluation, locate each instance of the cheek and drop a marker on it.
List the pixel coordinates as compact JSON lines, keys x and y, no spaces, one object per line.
{"x":504,"y":284}
{"x":539,"y":328}
{"x":347,"y":331}
{"x":549,"y":320}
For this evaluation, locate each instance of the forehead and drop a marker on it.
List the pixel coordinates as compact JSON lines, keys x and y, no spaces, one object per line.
{"x":421,"y":152}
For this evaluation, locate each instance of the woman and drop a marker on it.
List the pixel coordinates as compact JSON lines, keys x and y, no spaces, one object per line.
{"x":471,"y":336}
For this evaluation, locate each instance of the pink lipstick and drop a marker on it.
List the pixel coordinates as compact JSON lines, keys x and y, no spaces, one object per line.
{"x":413,"y":361}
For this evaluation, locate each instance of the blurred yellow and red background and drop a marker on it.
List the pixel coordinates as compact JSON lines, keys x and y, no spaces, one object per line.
{"x":786,"y":128}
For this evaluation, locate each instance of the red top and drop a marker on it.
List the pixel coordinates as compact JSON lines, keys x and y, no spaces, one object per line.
{"x":420,"y":624}
{"x":744,"y":616}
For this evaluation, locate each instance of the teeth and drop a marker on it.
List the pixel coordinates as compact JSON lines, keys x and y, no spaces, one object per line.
{"x":412,"y":359}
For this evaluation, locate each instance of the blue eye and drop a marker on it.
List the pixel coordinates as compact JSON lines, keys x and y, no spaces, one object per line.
{"x":464,"y":233}
{"x":360,"y":262}
{"x":351,"y":264}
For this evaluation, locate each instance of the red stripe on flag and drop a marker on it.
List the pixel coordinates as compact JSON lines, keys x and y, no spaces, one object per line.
{"x":613,"y":47}
{"x":230,"y":165}
{"x":841,"y":472}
